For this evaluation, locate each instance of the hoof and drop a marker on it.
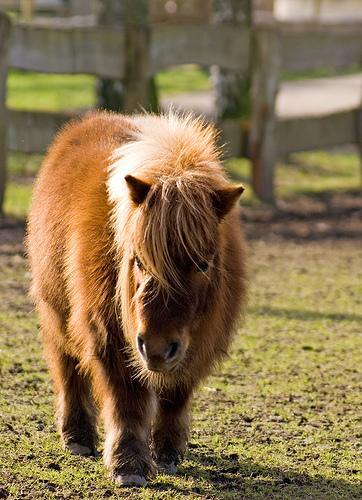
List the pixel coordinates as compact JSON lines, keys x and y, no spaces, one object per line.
{"x":80,"y":449}
{"x":167,"y":468}
{"x":130,"y":480}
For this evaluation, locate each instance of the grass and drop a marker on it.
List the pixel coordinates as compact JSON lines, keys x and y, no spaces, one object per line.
{"x":278,"y":420}
{"x":28,"y":90}
{"x":318,"y":172}
{"x":40,"y":91}
{"x":17,"y":199}
{"x":309,"y":174}
{"x":189,"y":78}
{"x":320,"y":73}
{"x":306,"y":174}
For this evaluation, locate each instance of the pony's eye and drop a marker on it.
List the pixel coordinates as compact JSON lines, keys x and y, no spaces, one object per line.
{"x":138,"y":263}
{"x":202,"y":266}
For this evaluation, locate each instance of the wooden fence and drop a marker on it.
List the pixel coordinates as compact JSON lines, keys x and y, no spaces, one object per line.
{"x":61,"y":46}
{"x":27,"y":9}
{"x":281,"y":46}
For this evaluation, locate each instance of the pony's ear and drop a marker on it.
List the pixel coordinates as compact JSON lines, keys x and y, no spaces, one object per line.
{"x":225,"y":199}
{"x":138,"y":189}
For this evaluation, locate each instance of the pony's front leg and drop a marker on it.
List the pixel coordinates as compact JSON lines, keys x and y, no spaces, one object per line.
{"x":127,"y":411}
{"x":171,"y":429}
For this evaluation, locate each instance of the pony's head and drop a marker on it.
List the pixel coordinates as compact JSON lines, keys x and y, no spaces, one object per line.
{"x":168,"y":233}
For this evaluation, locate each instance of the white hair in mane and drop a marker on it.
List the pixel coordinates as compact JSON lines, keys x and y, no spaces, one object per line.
{"x":178,"y":156}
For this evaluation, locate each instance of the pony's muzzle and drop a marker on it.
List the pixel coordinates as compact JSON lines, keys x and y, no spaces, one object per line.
{"x":159,"y":356}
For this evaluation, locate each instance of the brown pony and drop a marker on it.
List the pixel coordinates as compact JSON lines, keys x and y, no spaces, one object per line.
{"x":138,"y":273}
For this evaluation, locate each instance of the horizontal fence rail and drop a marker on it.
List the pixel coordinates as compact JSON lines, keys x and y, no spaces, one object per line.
{"x":68,"y":49}
{"x":33,"y":131}
{"x":311,"y":46}
{"x":101,"y":51}
{"x":64,"y":48}
{"x":223,"y":45}
{"x":320,"y":132}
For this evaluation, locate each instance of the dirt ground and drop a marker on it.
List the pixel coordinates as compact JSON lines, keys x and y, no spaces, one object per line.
{"x":279,"y":420}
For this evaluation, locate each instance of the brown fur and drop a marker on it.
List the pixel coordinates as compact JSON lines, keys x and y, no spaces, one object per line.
{"x":115,"y":261}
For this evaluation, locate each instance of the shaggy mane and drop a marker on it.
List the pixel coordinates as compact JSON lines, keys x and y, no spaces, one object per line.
{"x":175,"y":225}
{"x":178,"y":157}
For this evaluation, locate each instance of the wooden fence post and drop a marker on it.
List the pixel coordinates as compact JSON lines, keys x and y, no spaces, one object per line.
{"x":232,"y":87}
{"x":359,"y":134}
{"x":27,"y":10}
{"x":4,"y":44}
{"x":264,"y":127}
{"x":134,"y":91}
{"x":137,"y":55}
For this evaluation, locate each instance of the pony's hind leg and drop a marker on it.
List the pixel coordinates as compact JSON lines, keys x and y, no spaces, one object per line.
{"x":171,"y":429}
{"x":76,"y":408}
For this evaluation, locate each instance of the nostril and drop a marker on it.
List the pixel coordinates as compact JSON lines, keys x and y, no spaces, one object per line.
{"x":141,"y":345}
{"x":172,"y":351}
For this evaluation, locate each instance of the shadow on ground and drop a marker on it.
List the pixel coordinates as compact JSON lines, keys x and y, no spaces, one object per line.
{"x":304,"y":315}
{"x":229,"y":477}
{"x":308,"y":217}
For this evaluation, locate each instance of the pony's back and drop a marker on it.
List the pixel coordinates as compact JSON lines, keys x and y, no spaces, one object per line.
{"x":69,"y":200}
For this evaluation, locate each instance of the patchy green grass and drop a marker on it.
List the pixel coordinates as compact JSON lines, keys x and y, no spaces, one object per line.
{"x":280,"y":419}
{"x":17,"y":199}
{"x":21,"y":171}
{"x":321,"y":73}
{"x":50,"y":92}
{"x":318,"y":172}
{"x":30,"y":91}
{"x":24,"y":165}
{"x":311,"y":174}
{"x":187,"y":78}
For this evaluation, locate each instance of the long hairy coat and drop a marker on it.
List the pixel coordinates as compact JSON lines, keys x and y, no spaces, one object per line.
{"x":138,"y":274}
